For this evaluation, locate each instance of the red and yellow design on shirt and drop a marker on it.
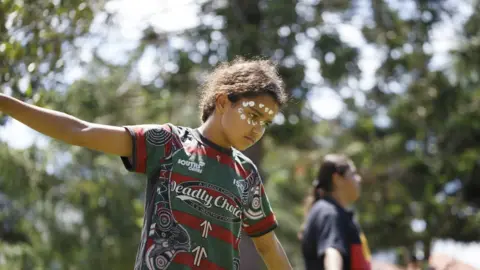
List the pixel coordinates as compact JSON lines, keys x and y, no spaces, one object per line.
{"x":360,"y":254}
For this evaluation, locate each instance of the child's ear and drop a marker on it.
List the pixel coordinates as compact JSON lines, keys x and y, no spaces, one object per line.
{"x":221,"y":102}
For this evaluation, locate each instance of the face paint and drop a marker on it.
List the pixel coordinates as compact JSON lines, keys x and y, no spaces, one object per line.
{"x":249,"y":118}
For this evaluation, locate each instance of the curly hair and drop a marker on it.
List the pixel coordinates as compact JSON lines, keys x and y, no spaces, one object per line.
{"x":241,"y":78}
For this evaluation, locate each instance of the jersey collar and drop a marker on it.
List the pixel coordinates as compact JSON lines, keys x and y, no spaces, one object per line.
{"x":215,"y":146}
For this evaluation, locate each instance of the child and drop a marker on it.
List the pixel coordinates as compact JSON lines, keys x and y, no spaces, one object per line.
{"x":331,"y":239}
{"x":201,"y":190}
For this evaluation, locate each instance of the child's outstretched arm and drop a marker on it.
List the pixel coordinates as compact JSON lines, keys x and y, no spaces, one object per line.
{"x":61,"y":126}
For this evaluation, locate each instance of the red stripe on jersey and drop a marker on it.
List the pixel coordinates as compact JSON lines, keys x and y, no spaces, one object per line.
{"x":188,"y":259}
{"x":180,"y":178}
{"x":218,"y":232}
{"x":164,"y":174}
{"x":261,"y":226}
{"x":240,"y":170}
{"x":149,"y":243}
{"x":168,"y":144}
{"x":211,"y":153}
{"x":174,"y":144}
{"x":221,"y":158}
{"x":168,"y":148}
{"x":262,"y":191}
{"x":141,"y":150}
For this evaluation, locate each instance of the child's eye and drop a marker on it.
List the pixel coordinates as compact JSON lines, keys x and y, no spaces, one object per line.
{"x":265,"y":124}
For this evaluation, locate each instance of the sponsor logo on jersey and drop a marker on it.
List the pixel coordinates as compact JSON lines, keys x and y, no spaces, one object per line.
{"x":209,"y":199}
{"x":192,"y":165}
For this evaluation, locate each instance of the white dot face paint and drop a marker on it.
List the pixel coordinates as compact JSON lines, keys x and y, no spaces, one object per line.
{"x":250,"y":117}
{"x":242,"y":115}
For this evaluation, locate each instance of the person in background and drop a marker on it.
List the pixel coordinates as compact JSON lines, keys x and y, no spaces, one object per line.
{"x":330,"y":237}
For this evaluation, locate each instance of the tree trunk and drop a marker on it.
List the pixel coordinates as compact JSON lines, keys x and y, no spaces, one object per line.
{"x":427,"y":249}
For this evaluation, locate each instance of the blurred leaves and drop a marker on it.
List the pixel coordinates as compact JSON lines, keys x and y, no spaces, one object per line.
{"x":35,"y":37}
{"x":70,"y":208}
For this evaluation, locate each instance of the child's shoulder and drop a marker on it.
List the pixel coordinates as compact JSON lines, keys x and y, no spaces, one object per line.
{"x":165,"y":130}
{"x":178,"y":130}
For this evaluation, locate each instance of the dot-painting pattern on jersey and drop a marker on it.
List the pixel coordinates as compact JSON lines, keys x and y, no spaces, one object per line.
{"x":199,"y":197}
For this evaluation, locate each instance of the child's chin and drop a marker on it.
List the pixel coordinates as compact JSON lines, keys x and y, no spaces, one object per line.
{"x":243,"y":147}
{"x":239,"y":147}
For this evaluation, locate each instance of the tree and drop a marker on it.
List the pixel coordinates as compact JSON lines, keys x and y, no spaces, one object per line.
{"x":37,"y":36}
{"x":416,"y":164}
{"x":415,"y":156}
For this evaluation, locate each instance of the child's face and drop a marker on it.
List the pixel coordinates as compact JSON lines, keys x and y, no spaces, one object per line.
{"x":245,"y":122}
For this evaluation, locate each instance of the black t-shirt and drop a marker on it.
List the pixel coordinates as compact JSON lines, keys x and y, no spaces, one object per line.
{"x":330,"y":226}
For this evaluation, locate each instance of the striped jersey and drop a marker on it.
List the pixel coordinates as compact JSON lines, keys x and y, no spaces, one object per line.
{"x":199,"y":197}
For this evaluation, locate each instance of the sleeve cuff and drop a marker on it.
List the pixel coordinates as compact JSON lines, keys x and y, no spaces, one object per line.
{"x":131,"y":163}
{"x":261,"y":233}
{"x":262,"y":227}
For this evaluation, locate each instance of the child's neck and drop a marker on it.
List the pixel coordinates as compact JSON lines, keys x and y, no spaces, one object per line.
{"x":211,"y":130}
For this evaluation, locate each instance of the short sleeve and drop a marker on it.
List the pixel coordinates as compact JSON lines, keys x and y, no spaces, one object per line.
{"x":331,"y":233}
{"x":151,"y":143}
{"x":259,"y":218}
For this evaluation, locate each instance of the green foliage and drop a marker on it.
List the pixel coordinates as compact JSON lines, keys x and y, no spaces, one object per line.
{"x":86,"y":213}
{"x":35,"y":37}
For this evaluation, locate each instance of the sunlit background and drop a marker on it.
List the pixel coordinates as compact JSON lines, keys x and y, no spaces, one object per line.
{"x":393,"y":83}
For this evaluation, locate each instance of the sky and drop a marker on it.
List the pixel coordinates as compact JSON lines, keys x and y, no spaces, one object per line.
{"x":176,"y":15}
